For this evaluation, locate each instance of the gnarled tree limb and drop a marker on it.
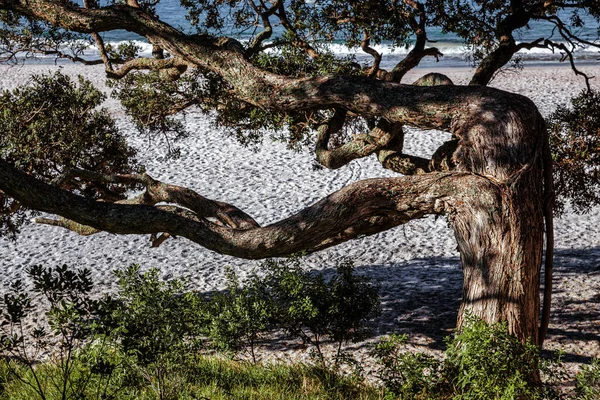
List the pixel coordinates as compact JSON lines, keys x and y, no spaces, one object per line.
{"x":418,"y":52}
{"x":159,"y":192}
{"x":361,"y":208}
{"x":174,"y":67}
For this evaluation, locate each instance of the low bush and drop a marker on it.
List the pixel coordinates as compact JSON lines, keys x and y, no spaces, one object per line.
{"x":240,"y":316}
{"x":78,"y":360}
{"x":303,"y":303}
{"x":486,"y":362}
{"x":481,"y":362}
{"x":588,"y":381}
{"x":146,"y":340}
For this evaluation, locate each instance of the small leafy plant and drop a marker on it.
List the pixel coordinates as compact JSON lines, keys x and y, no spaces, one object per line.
{"x":240,"y":316}
{"x":63,"y":339}
{"x":303,"y":303}
{"x":157,"y":324}
{"x":485,"y":362}
{"x":482,"y":362}
{"x":405,"y":374}
{"x":588,"y":381}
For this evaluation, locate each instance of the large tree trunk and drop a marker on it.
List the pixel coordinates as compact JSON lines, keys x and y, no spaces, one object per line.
{"x":500,"y":231}
{"x":500,"y":237}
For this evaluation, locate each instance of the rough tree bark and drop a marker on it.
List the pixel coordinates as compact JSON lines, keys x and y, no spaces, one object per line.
{"x":492,"y":197}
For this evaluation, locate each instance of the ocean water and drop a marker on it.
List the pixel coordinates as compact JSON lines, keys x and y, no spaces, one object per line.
{"x":455,"y":54}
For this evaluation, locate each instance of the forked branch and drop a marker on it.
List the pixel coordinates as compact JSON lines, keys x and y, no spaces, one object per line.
{"x":362,"y":208}
{"x":160,"y":192}
{"x":418,"y":52}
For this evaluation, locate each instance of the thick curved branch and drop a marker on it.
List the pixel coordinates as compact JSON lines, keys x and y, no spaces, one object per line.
{"x":361,"y":208}
{"x":174,"y":67}
{"x":264,"y":15}
{"x":159,"y":192}
{"x":386,"y":140}
{"x":360,"y":145}
{"x":365,"y":45}
{"x":404,"y":164}
{"x":507,"y":45}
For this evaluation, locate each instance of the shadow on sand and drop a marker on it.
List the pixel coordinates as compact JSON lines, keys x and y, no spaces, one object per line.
{"x":421,"y":297}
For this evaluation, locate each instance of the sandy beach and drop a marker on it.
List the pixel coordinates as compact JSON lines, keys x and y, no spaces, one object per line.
{"x":416,"y":265}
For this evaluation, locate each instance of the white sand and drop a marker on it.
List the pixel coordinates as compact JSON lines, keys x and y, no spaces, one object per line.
{"x":422,"y":292}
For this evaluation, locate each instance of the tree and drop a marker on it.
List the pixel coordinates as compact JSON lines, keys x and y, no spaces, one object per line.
{"x":493,"y":180}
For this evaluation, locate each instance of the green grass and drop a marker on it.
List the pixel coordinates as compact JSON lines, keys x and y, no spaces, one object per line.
{"x":202,"y":377}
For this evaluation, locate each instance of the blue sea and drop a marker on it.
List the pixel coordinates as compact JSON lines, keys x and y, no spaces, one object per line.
{"x":455,"y":54}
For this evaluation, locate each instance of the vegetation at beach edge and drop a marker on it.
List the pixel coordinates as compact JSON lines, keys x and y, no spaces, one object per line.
{"x":155,"y":339}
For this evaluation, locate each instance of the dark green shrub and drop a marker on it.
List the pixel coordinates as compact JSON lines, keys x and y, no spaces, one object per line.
{"x":485,"y":362}
{"x":54,"y":124}
{"x":158,"y":325}
{"x":145,"y":342}
{"x":64,"y":339}
{"x":482,"y":362}
{"x":316,"y":309}
{"x":303,"y":303}
{"x":238,"y":317}
{"x":405,"y":374}
{"x":588,"y":381}
{"x":575,"y":144}
{"x":151,"y":317}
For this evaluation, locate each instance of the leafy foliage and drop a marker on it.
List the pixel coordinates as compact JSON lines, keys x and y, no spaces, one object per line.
{"x":293,"y":61}
{"x":588,"y":381}
{"x":303,"y":303}
{"x":81,"y":363}
{"x":405,"y":374}
{"x":308,"y":22}
{"x":152,"y":98}
{"x":482,"y":362}
{"x":486,"y":362}
{"x":104,"y":348}
{"x":53,"y":124}
{"x":240,"y":316}
{"x":24,"y":37}
{"x":151,"y":317}
{"x":146,"y":339}
{"x":575,"y":143}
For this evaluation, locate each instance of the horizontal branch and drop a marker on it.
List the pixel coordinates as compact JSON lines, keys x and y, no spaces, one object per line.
{"x":404,"y":164}
{"x":362,"y":208}
{"x":360,"y":146}
{"x":160,"y":192}
{"x":176,"y":65}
